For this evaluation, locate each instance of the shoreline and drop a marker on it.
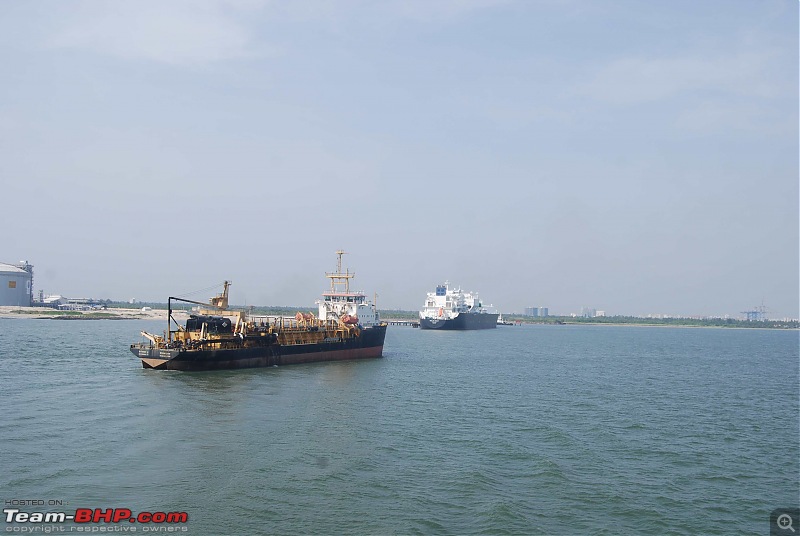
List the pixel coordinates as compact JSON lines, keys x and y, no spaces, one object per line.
{"x":681,"y":326}
{"x":46,"y":313}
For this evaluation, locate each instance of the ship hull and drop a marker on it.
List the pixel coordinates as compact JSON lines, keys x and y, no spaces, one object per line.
{"x":369,"y":344}
{"x":464,"y":321}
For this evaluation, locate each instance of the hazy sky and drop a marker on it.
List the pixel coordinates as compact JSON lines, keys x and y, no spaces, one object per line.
{"x":635,"y":157}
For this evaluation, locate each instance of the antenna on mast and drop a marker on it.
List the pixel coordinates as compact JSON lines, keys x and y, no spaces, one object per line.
{"x":339,"y":253}
{"x":340,"y":278}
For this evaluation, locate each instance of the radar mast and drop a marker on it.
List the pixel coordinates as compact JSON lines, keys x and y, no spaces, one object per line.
{"x":338,"y":278}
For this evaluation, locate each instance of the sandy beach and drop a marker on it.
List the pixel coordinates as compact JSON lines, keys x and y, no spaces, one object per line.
{"x":101,"y":314}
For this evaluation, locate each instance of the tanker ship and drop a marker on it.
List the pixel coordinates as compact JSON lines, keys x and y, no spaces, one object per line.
{"x":452,"y":308}
{"x":347,"y":326}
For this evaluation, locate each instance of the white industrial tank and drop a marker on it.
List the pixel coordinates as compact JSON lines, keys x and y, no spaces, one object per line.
{"x":16,"y":281}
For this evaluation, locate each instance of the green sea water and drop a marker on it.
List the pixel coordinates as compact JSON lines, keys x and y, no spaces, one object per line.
{"x":517,"y":430}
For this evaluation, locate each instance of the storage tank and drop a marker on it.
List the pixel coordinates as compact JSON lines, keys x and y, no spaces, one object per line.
{"x":16,"y":284}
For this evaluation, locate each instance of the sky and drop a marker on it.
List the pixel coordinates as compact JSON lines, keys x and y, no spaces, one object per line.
{"x":632,"y":157}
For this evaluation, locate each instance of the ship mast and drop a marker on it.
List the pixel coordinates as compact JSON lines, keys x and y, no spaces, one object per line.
{"x":339,"y":278}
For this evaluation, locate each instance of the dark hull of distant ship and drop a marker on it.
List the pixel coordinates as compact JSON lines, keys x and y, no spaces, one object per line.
{"x":266,"y":353}
{"x":463,"y":321}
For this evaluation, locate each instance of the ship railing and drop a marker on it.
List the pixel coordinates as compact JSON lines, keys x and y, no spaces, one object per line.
{"x":284,"y":323}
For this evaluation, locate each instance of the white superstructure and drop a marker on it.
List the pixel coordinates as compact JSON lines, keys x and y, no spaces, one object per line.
{"x":447,"y":303}
{"x":341,"y":304}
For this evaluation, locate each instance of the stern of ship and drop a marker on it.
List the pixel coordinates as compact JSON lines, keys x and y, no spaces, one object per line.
{"x":152,"y":357}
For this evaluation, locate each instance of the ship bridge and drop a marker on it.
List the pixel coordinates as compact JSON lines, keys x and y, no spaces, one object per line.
{"x":350,"y":297}
{"x":340,"y":300}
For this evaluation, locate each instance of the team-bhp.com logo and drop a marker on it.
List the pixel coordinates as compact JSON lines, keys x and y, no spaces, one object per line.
{"x":96,"y":515}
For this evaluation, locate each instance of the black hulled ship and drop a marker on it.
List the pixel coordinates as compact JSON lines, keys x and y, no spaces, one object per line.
{"x":347,"y":327}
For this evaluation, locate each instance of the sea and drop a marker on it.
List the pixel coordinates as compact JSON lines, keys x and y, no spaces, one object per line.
{"x":534,"y":429}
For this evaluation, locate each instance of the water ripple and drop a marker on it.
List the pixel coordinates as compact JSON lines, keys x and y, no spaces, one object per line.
{"x":529,"y":430}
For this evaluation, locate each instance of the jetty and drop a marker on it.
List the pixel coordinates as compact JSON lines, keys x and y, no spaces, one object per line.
{"x":401,"y":322}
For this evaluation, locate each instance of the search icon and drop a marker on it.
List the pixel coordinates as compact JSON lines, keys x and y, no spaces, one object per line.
{"x":784,"y":521}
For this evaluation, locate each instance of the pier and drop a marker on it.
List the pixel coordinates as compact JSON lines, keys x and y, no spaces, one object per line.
{"x":407,"y":323}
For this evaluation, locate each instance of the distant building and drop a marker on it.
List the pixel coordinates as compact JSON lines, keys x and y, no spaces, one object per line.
{"x":588,"y":312}
{"x":536,"y":311}
{"x":81,"y":304}
{"x":16,"y":284}
{"x":54,"y":300}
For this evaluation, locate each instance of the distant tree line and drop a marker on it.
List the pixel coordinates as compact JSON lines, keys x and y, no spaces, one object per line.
{"x":643,"y":321}
{"x":398,"y":314}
